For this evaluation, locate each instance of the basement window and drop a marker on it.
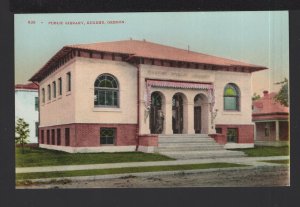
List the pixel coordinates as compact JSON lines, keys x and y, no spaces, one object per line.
{"x":232,"y":135}
{"x":107,"y":136}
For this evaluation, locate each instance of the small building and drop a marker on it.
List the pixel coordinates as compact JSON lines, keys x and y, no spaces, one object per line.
{"x":122,"y":95}
{"x":27,"y":107}
{"x":271,"y":121}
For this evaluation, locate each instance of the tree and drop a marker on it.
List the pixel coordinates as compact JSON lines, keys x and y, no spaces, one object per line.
{"x":282,"y":96}
{"x":255,"y":97}
{"x":22,"y":133}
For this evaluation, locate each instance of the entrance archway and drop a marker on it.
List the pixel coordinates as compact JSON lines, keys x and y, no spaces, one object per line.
{"x":156,"y":113}
{"x":200,"y":114}
{"x":177,"y":113}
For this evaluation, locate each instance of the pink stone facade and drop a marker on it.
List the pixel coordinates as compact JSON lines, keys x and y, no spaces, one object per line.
{"x":148,"y":140}
{"x":245,"y":133}
{"x":88,"y":135}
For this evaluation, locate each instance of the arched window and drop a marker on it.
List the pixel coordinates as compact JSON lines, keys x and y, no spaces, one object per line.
{"x":106,"y":91}
{"x":231,"y":97}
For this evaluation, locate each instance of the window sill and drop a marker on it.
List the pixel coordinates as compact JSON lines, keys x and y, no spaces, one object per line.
{"x":232,"y":113}
{"x":96,"y":109}
{"x":68,"y":93}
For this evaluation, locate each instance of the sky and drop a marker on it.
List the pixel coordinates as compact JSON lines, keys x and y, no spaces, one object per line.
{"x":257,"y":37}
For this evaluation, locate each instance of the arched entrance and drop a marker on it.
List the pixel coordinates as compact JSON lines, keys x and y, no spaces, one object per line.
{"x":156,"y":113}
{"x":200,"y":114}
{"x":177,"y":113}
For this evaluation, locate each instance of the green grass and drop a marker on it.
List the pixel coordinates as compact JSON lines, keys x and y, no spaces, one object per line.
{"x":24,"y":176}
{"x":42,"y":157}
{"x":284,"y":162}
{"x":261,"y":151}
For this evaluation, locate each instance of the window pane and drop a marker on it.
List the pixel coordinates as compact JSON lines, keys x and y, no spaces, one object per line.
{"x":115,"y":98}
{"x":107,"y":135}
{"x":230,"y":103}
{"x":230,"y":91}
{"x":36,"y":103}
{"x":109,"y":98}
{"x":102,"y":97}
{"x":232,"y":135}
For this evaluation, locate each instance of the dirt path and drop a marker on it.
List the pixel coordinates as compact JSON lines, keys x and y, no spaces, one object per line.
{"x":259,"y":177}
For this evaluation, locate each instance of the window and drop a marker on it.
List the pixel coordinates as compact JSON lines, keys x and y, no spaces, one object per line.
{"x":42,"y":138}
{"x":59,"y":86}
{"x":232,"y":135}
{"x":106,"y":91}
{"x":67,"y":136}
{"x":48,"y":136}
{"x":36,"y":103}
{"x":69,"y":81}
{"x":36,"y":129}
{"x":49,"y":92}
{"x":53,"y":136}
{"x":267,"y":130}
{"x":219,"y":130}
{"x":231,"y":97}
{"x":58,"y":142}
{"x":54,"y":89}
{"x":107,"y":135}
{"x":43,"y":95}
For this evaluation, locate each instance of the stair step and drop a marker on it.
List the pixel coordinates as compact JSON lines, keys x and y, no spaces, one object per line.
{"x":189,"y":148}
{"x":182,"y":135}
{"x":204,"y":154}
{"x":160,"y":140}
{"x":187,"y":144}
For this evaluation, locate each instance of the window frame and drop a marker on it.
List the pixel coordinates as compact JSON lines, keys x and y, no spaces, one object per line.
{"x":69,"y":82}
{"x":67,"y":138}
{"x":54,"y":89}
{"x":237,"y":97}
{"x":106,"y":90}
{"x":43,"y":95}
{"x":114,"y":136}
{"x":59,"y":86}
{"x":36,"y":103}
{"x":49,"y":92}
{"x":237,"y":135}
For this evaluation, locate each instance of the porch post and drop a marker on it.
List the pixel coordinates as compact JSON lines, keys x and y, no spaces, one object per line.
{"x":254,"y":131}
{"x":190,"y":118}
{"x":168,"y":116}
{"x":277,"y":130}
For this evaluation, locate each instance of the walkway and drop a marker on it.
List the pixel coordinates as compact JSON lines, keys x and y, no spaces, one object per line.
{"x":254,"y":161}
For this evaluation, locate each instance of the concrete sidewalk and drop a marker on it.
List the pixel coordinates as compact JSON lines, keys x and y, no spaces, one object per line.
{"x":254,"y":161}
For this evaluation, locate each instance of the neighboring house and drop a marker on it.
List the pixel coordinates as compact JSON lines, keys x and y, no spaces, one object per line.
{"x":271,"y":121}
{"x":120,"y":96}
{"x":27,"y":107}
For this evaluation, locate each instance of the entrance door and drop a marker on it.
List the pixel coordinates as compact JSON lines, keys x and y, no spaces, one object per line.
{"x":177,"y":114}
{"x":156,"y":114}
{"x":197,"y":119}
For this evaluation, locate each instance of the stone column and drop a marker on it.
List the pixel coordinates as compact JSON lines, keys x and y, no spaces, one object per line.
{"x":190,"y":118}
{"x":254,"y":127}
{"x":277,"y":130}
{"x":144,"y":122}
{"x":168,"y":117}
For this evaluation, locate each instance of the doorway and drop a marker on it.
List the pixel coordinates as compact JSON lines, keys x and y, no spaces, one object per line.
{"x":197,"y":119}
{"x":156,"y":114}
{"x":177,"y":113}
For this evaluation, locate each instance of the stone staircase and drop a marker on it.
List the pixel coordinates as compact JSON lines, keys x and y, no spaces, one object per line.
{"x":192,"y":146}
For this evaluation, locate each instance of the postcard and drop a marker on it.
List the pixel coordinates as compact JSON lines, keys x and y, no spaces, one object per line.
{"x":143,"y":100}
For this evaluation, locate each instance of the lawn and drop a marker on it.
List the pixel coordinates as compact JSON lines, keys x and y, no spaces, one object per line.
{"x":24,"y":176}
{"x":43,"y":157}
{"x":284,"y":162}
{"x":261,"y":151}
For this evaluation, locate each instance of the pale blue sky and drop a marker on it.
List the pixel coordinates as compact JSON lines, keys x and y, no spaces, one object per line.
{"x":255,"y":37}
